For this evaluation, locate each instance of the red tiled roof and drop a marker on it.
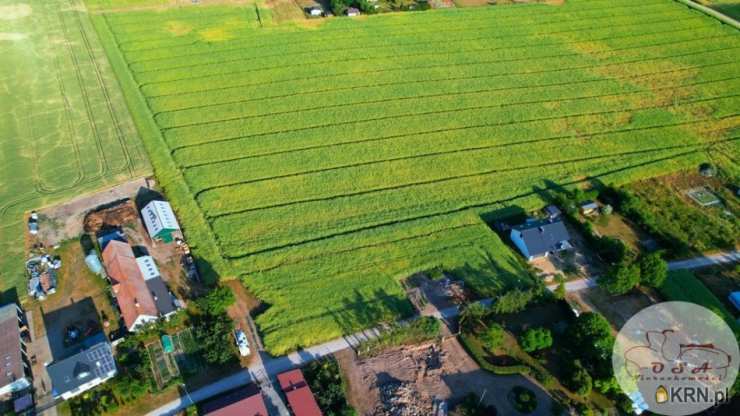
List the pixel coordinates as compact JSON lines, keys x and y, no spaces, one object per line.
{"x":246,"y":401}
{"x":298,"y":393}
{"x":129,"y":285}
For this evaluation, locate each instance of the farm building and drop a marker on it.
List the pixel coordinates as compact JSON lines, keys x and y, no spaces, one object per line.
{"x":142,"y":295}
{"x":82,"y":371}
{"x":244,"y":401}
{"x":160,"y":221}
{"x":16,"y":374}
{"x":539,"y":238}
{"x":299,"y":395}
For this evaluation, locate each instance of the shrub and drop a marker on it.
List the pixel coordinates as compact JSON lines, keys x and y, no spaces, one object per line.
{"x":513,"y":301}
{"x":579,"y":380}
{"x":535,"y":339}
{"x":216,"y":301}
{"x":493,"y":338}
{"x":653,"y":270}
{"x":621,"y":278}
{"x":523,"y":399}
{"x":421,"y":330}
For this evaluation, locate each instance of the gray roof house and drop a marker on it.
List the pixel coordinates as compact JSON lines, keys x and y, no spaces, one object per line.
{"x":82,"y":371}
{"x":538,"y":238}
{"x":16,"y":374}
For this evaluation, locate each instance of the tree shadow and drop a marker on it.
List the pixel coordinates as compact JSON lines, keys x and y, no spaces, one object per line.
{"x":9,"y":296}
{"x":146,"y":195}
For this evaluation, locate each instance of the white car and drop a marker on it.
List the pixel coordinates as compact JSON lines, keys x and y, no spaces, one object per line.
{"x":242,"y":342}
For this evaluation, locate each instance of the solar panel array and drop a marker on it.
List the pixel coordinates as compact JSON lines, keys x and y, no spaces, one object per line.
{"x":102,"y":356}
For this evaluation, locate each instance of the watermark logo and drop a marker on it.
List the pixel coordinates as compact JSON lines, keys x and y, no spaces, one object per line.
{"x":676,"y":358}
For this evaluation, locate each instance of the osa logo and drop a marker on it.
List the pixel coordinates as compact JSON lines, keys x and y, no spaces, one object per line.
{"x":675,"y":358}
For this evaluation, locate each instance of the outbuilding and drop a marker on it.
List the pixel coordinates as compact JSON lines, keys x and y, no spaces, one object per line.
{"x":160,"y":221}
{"x":353,"y":11}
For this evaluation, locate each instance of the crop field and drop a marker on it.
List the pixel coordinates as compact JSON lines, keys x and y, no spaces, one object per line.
{"x":320,"y":163}
{"x":64,"y":126}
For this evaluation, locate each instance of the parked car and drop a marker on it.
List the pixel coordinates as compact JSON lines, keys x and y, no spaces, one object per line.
{"x":242,"y":342}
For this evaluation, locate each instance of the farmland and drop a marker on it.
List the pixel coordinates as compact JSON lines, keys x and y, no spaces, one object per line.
{"x":321,"y":163}
{"x":64,"y":126}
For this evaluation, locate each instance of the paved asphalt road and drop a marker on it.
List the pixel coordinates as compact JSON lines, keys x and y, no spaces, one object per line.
{"x":263,"y":373}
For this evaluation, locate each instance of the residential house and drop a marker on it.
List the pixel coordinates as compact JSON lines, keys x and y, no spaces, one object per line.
{"x":299,"y":395}
{"x":539,"y":238}
{"x":244,"y":401}
{"x":16,"y":374}
{"x":353,"y":11}
{"x":140,"y":292}
{"x":82,"y":371}
{"x":160,"y":221}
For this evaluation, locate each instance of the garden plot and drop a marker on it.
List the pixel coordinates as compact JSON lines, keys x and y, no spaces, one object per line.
{"x":321,"y":176}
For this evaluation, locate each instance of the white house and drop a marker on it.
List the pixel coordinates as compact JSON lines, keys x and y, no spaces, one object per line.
{"x":160,"y":221}
{"x":82,"y":371}
{"x":540,"y":238}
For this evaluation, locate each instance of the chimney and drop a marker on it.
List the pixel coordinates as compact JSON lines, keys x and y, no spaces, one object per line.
{"x":136,"y":302}
{"x":542,"y":230}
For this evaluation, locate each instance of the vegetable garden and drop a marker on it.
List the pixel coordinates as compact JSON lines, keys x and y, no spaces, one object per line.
{"x":320,"y":164}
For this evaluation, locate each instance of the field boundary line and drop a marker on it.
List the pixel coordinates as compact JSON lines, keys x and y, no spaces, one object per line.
{"x":462,"y":150}
{"x":427,"y":113}
{"x":457,"y":177}
{"x":425,"y":42}
{"x":439,"y":80}
{"x":345,"y":30}
{"x":469,"y":64}
{"x":428,"y":98}
{"x":392,"y":58}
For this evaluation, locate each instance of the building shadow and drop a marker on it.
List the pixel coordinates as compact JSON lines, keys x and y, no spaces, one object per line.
{"x":68,"y":327}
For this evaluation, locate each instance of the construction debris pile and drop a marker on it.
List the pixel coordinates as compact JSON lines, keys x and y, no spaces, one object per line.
{"x":401,"y":399}
{"x":42,"y":275}
{"x":423,"y":366}
{"x":113,"y":216}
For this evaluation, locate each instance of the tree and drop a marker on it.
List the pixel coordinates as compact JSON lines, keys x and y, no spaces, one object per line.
{"x":472,"y":317}
{"x":213,"y":334}
{"x":653,"y":270}
{"x":621,"y":278}
{"x":535,"y":339}
{"x":560,"y":290}
{"x":590,"y":339}
{"x":607,"y":209}
{"x":579,"y":380}
{"x":216,"y":301}
{"x":493,"y":337}
{"x":513,"y":301}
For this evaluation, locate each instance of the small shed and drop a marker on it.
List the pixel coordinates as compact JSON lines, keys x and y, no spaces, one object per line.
{"x":552,"y":212}
{"x":315,"y":11}
{"x":589,"y":208}
{"x":160,"y":221}
{"x":353,"y":11}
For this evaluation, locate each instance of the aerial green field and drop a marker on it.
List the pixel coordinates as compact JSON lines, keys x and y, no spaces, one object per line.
{"x":322,"y":161}
{"x":64,"y":126}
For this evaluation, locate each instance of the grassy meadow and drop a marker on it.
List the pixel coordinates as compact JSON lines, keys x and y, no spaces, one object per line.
{"x":320,"y":161}
{"x":64,"y":126}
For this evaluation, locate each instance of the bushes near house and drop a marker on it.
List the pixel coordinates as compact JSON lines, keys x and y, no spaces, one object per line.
{"x":420,"y":330}
{"x":535,"y":339}
{"x":523,"y":399}
{"x":329,"y":387}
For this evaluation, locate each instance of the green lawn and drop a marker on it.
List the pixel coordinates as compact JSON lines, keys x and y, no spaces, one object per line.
{"x":64,"y":127}
{"x":322,"y":162}
{"x":682,"y":285}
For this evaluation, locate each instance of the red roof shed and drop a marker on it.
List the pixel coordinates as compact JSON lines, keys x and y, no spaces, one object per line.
{"x":299,"y":395}
{"x":245,"y":401}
